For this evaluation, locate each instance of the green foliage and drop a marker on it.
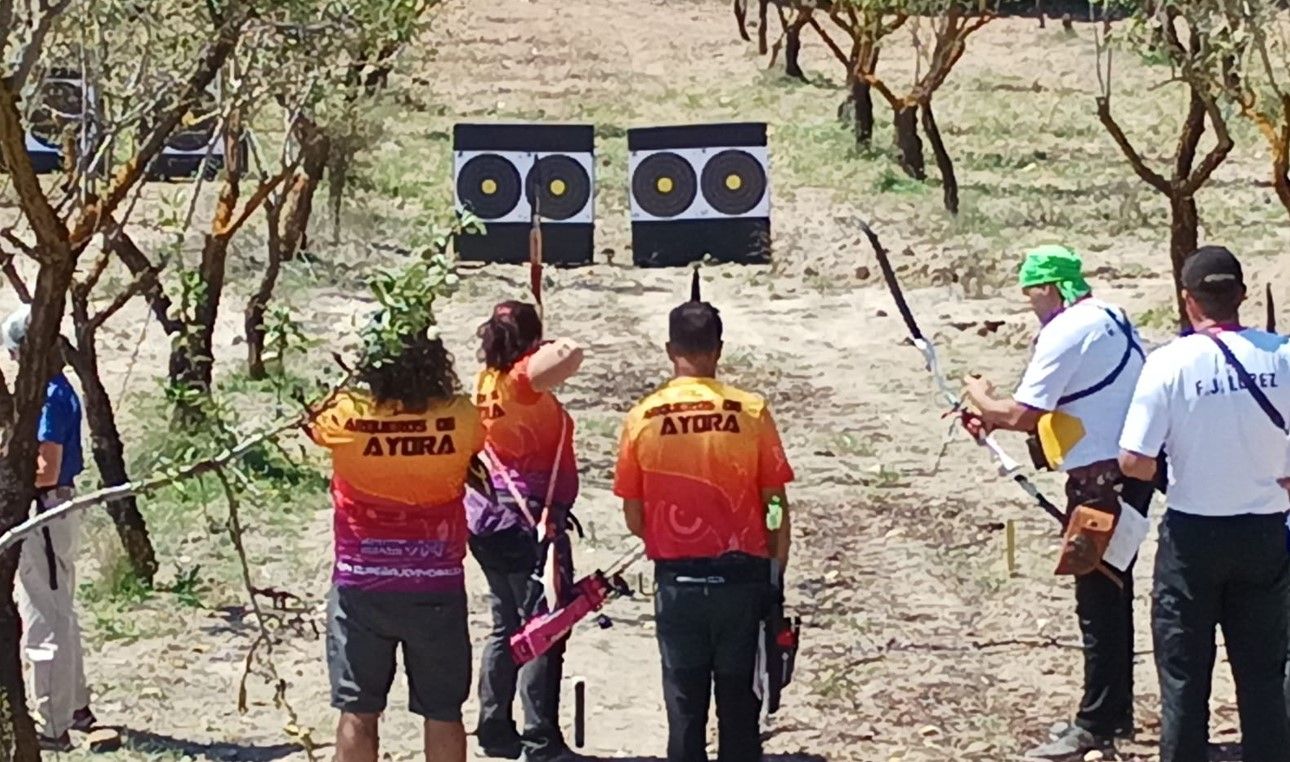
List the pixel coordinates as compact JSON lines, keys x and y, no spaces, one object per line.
{"x":406,"y":296}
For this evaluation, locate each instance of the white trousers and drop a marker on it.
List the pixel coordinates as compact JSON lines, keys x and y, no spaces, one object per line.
{"x":51,"y":631}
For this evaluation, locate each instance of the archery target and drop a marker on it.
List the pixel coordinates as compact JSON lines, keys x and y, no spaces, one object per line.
{"x":558,"y":187}
{"x":697,"y":191}
{"x":61,"y":101}
{"x":504,"y":173}
{"x":488,"y":186}
{"x":663,"y":184}
{"x":195,"y":146}
{"x":699,"y":183}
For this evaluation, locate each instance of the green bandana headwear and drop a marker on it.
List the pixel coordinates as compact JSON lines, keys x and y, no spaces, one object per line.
{"x":1058,"y":266}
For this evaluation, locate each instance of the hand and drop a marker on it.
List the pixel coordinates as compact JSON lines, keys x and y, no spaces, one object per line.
{"x":977,"y":389}
{"x":973,"y":423}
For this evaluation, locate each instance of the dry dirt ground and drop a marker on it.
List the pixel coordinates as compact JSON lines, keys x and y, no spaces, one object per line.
{"x":919,"y":645}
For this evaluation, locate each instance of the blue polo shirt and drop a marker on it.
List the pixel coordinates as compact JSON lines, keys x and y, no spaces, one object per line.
{"x":60,"y":423}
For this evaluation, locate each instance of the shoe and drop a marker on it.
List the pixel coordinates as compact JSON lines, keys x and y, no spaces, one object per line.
{"x":513,"y":750}
{"x":1072,"y":743}
{"x":61,"y":743}
{"x":84,"y":720}
{"x":1125,"y":732}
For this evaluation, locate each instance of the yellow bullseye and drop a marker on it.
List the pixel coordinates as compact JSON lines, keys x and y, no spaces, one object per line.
{"x":488,"y":187}
{"x":558,"y":187}
{"x":734,"y":182}
{"x":664,"y":185}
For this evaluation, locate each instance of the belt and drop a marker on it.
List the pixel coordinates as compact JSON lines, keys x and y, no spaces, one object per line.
{"x":726,"y":570}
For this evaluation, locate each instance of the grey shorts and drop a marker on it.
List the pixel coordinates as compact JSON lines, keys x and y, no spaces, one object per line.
{"x":364,"y":628}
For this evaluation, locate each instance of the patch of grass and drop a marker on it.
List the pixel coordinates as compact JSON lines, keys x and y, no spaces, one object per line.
{"x":892,"y":180}
{"x":1163,"y":317}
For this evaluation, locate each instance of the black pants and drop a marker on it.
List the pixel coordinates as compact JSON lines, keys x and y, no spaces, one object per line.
{"x":707,"y":636}
{"x":508,"y":559}
{"x":1105,"y":613}
{"x":1232,"y":572}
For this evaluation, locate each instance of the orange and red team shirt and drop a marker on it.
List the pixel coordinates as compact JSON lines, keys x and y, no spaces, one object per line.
{"x":698,"y":453}
{"x":398,"y":481}
{"x":523,"y":428}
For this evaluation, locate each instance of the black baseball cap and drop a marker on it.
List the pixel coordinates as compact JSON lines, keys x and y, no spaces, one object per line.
{"x":1212,"y":269}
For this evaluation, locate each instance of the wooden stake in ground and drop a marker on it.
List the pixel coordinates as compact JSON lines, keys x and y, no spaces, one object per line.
{"x":1010,"y":533}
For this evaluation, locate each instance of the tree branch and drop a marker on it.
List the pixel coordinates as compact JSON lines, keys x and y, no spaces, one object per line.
{"x":136,"y":287}
{"x":132,"y":171}
{"x":257,"y":199}
{"x":837,"y":52}
{"x":48,"y":229}
{"x":1217,"y":155}
{"x":1149,"y":176}
{"x":131,"y":489}
{"x":36,"y":45}
{"x":137,"y":262}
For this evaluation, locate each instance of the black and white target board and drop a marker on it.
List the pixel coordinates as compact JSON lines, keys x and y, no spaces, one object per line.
{"x":699,"y":190}
{"x":506,"y":173}
{"x":62,"y":102}
{"x":197,"y":146}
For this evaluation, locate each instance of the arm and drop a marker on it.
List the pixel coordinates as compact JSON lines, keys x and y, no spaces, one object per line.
{"x":1137,"y":466}
{"x":634,"y":515}
{"x":1147,"y":423}
{"x":552,"y":364}
{"x":49,"y":461}
{"x":998,"y":413}
{"x":781,"y":539}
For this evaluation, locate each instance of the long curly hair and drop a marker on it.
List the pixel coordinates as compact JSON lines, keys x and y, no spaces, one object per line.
{"x":422,"y":373}
{"x":509,"y":333}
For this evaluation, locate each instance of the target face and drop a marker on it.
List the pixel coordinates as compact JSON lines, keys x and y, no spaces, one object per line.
{"x":664,"y":185}
{"x":196,"y":130}
{"x":489,"y":186}
{"x":733,"y":182}
{"x":60,"y":103}
{"x":558,"y":187}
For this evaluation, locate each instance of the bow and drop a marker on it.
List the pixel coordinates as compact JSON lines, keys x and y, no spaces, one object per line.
{"x":535,"y":249}
{"x":1272,"y":310}
{"x":1007,"y":466}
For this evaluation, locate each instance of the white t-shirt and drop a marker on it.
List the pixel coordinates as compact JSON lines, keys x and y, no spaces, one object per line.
{"x":1075,"y":351}
{"x":1225,"y":454}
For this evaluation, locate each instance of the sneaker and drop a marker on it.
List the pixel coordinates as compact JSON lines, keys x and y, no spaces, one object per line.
{"x":84,"y":720}
{"x":61,"y":743}
{"x":1124,"y":732}
{"x":512,"y":750}
{"x":1074,"y":742}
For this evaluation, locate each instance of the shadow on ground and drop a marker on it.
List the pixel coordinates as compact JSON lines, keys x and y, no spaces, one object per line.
{"x":219,"y":751}
{"x":767,"y":758}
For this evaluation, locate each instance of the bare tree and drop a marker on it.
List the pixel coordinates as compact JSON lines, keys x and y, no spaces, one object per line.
{"x":57,"y":242}
{"x":1190,"y":35}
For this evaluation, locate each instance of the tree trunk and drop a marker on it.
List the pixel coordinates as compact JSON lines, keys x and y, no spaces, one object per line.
{"x":17,"y":731}
{"x":862,"y":100}
{"x":192,"y":360}
{"x":109,"y":455}
{"x":1039,"y":11}
{"x":762,"y":33}
{"x":741,"y":18}
{"x":793,"y":46}
{"x":288,"y":224}
{"x":907,"y":141}
{"x":944,"y":163}
{"x":1184,"y":224}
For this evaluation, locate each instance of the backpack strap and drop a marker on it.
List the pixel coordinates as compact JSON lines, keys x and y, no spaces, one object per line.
{"x":1130,"y":348}
{"x":1248,"y":380}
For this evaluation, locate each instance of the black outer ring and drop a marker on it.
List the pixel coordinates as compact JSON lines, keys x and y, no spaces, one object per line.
{"x":750,"y":192}
{"x":488,"y":166}
{"x":198,"y":137}
{"x":577,"y":184}
{"x":645,"y":188}
{"x":60,"y":103}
